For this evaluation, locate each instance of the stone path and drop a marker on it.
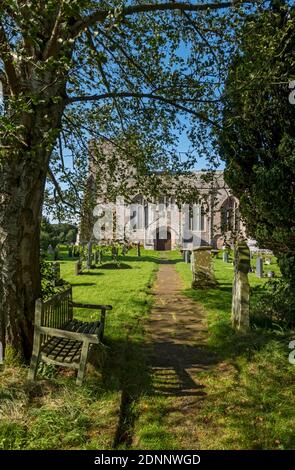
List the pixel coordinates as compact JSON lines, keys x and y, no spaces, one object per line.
{"x":176,"y":335}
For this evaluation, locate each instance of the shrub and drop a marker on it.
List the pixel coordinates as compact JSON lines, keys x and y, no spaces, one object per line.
{"x":275,"y":306}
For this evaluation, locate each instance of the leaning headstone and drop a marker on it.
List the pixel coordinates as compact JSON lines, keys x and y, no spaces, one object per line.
{"x":241,"y":288}
{"x":138,"y":249}
{"x":203,"y":275}
{"x":50,"y":250}
{"x":78,"y":268}
{"x":225,"y":256}
{"x":259,"y":267}
{"x":56,"y":272}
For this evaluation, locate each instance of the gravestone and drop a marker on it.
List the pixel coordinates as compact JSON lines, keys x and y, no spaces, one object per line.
{"x":259,"y":267}
{"x":187,"y":256}
{"x":78,"y":268}
{"x":203,"y":275}
{"x":241,"y":288}
{"x":138,"y":249}
{"x":225,"y":257}
{"x":50,"y":250}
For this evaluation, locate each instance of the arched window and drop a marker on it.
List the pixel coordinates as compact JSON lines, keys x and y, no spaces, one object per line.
{"x":137,"y":213}
{"x":229,"y":215}
{"x":197,"y":218}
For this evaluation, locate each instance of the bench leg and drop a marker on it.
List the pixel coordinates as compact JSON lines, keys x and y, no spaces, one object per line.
{"x":33,"y":367}
{"x":83,"y":362}
{"x":102,"y":323}
{"x":35,"y":359}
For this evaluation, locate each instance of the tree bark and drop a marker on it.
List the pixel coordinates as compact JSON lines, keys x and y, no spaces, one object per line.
{"x":22,"y":187}
{"x":23,"y":173}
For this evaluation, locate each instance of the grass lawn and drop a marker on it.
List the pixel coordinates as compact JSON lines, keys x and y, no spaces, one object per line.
{"x":249,"y":400}
{"x":251,"y":394}
{"x":54,"y":413}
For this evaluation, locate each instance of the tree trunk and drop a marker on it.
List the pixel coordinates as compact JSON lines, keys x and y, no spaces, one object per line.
{"x":21,"y":193}
{"x":23,"y":171}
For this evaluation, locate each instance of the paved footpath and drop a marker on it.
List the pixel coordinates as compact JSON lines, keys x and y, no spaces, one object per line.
{"x":176,"y":338}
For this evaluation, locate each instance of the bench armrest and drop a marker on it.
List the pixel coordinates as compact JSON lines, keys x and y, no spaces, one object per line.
{"x":90,"y":338}
{"x":92,"y":306}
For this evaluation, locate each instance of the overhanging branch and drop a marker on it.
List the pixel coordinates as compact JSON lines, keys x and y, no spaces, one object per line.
{"x":150,"y":96}
{"x":102,"y":14}
{"x":5,"y":52}
{"x":59,"y":191}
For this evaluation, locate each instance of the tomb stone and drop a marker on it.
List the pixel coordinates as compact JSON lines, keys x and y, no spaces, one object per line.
{"x":225,"y":256}
{"x":78,"y":268}
{"x":259,"y":267}
{"x":138,"y":249}
{"x":187,"y":256}
{"x":241,"y":288}
{"x":202,"y":268}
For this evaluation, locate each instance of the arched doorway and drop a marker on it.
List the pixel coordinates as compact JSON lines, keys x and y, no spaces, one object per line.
{"x":163,"y":244}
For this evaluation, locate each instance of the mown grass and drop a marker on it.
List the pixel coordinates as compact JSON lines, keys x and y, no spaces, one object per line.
{"x":56,"y":414}
{"x":250,"y":401}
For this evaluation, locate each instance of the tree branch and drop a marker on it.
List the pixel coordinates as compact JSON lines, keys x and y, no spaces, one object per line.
{"x":101,"y":15}
{"x":8,"y":61}
{"x":59,"y":192}
{"x":150,"y":96}
{"x":51,"y":45}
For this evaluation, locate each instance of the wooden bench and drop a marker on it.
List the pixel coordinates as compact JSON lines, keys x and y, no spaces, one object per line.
{"x":61,"y":339}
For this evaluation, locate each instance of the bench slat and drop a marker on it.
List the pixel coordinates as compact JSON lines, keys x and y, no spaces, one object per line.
{"x":59,"y":338}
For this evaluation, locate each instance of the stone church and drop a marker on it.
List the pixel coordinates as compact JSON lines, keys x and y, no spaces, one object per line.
{"x":160,"y":221}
